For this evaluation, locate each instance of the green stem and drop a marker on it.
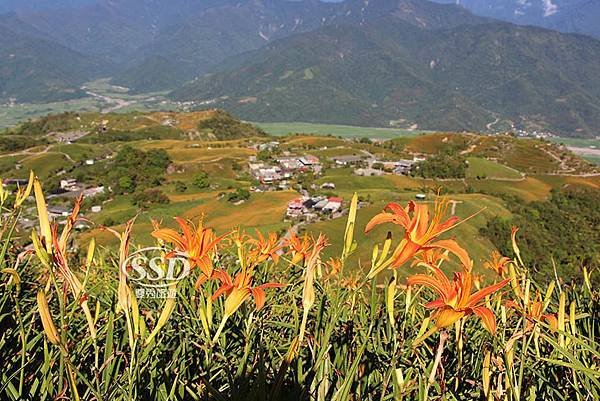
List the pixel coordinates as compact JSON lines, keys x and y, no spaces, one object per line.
{"x":23,"y":343}
{"x":303,"y":326}
{"x":220,"y":329}
{"x":436,"y":363}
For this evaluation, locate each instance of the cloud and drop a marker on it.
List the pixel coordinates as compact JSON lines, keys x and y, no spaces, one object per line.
{"x":549,"y":8}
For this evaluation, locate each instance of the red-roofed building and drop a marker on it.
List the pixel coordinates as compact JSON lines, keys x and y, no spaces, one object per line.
{"x":333,"y":205}
{"x":295,"y":208}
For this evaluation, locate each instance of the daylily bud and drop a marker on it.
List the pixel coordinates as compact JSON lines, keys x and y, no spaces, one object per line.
{"x":390,"y":295}
{"x":548,"y":296}
{"x":22,"y":195}
{"x":90,"y":253}
{"x":486,"y":373}
{"x":45,"y":230}
{"x":47,"y":323}
{"x":39,"y":250}
{"x":572,"y":318}
{"x":561,"y":317}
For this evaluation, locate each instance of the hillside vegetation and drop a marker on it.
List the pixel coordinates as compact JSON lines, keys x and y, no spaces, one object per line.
{"x":486,"y":77}
{"x":123,"y":127}
{"x":187,"y":172}
{"x":237,"y":315}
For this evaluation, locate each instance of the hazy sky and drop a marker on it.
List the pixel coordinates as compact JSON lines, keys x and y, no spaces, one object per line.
{"x":11,"y":5}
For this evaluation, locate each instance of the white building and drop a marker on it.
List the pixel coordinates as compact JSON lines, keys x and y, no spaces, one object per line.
{"x":69,"y":184}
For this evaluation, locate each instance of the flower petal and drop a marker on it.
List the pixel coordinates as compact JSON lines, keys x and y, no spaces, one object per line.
{"x":479,"y":295}
{"x":428,"y":281}
{"x":259,"y":297}
{"x":552,"y":321}
{"x":487,"y":318}
{"x":171,"y":236}
{"x":381,"y":218}
{"x":221,"y":290}
{"x":405,"y":251}
{"x":235,"y":299}
{"x":447,"y":317}
{"x":460,"y":252}
{"x":438,"y":303}
{"x":401,"y":214}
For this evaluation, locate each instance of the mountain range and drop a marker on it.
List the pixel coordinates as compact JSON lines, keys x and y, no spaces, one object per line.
{"x":575,"y":16}
{"x":367,"y":62}
{"x":492,"y":76}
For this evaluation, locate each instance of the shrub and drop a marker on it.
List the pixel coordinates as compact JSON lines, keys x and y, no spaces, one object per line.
{"x":150,"y":197}
{"x":201,"y":180}
{"x":239,"y":194}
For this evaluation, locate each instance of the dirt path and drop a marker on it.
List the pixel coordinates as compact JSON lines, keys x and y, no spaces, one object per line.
{"x":119,"y":103}
{"x":489,"y":126}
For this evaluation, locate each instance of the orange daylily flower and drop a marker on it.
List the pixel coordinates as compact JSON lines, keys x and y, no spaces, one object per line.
{"x":239,"y":289}
{"x":264,"y":248}
{"x":421,"y":230}
{"x":497,"y":263}
{"x":456,"y":299}
{"x":197,"y":242}
{"x":430,"y":257}
{"x":332,"y":268}
{"x":353,"y":282}
{"x":300,"y":248}
{"x":533,"y":313}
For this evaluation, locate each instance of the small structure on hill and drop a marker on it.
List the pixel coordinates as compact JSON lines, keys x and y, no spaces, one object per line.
{"x":333,"y":205}
{"x":295,"y":208}
{"x":69,"y":184}
{"x":347,"y":160}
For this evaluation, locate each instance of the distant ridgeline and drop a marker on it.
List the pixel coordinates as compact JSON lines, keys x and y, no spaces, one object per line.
{"x":405,"y":63}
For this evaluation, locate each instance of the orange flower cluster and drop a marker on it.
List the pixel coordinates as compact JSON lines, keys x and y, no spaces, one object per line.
{"x":533,"y":312}
{"x":497,"y":263}
{"x":420,"y":230}
{"x":197,"y":242}
{"x":200,"y":246}
{"x":420,"y":242}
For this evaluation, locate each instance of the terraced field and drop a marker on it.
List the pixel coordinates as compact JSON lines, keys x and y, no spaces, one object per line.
{"x":495,"y":168}
{"x":346,"y":131}
{"x":479,"y":167}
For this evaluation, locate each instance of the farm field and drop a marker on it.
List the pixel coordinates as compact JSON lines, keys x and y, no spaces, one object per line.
{"x":345,"y":131}
{"x":577,"y":142}
{"x":105,"y":97}
{"x":225,"y":163}
{"x":291,"y":302}
{"x":479,"y":167}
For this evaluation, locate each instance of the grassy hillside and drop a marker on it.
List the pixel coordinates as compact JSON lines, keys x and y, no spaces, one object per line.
{"x":345,"y":131}
{"x":35,"y":70}
{"x":121,"y":127}
{"x":499,"y":166}
{"x":479,"y":167}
